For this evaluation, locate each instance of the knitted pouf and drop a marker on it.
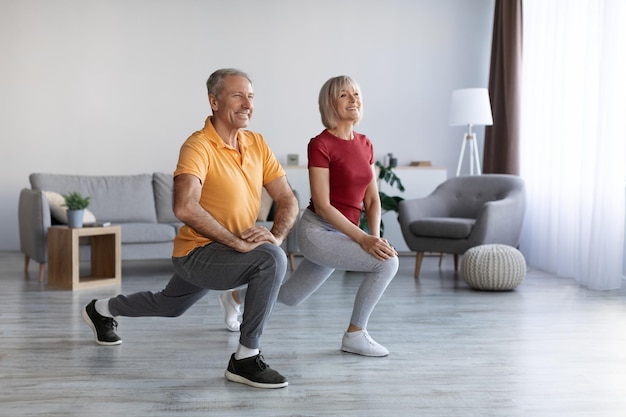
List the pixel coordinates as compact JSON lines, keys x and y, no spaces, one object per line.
{"x":493,"y":267}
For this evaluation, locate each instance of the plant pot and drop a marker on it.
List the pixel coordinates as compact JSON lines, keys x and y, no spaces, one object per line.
{"x":75,"y":218}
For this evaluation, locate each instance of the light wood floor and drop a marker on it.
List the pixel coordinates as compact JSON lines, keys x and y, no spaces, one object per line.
{"x":549,"y":348}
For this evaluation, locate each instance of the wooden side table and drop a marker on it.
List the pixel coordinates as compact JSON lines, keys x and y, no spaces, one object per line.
{"x":64,"y":261}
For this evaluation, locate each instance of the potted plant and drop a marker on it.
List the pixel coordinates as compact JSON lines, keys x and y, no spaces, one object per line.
{"x":76,"y":205}
{"x":387,"y":203}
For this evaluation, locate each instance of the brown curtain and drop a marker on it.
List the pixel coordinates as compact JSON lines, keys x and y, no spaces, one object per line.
{"x":501,"y":154}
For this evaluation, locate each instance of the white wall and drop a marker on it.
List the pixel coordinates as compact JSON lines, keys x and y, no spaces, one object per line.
{"x":115,"y":86}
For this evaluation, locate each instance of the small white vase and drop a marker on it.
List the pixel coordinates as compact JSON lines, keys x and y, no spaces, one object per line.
{"x":75,"y":218}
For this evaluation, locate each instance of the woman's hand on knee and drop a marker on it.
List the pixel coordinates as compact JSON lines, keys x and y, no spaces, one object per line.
{"x":378,"y":248}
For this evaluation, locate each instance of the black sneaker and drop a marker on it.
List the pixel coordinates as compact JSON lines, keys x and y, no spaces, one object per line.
{"x":103,"y":327}
{"x":255,"y":372}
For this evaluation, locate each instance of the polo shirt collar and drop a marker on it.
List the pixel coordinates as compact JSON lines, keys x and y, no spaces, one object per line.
{"x":211,"y":135}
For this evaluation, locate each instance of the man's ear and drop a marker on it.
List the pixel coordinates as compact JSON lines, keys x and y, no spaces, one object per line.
{"x":213,"y":102}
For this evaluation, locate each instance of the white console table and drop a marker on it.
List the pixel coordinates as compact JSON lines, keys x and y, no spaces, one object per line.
{"x":417,"y":181}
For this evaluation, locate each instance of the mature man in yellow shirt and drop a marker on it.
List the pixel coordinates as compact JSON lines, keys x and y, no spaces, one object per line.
{"x":217,"y":195}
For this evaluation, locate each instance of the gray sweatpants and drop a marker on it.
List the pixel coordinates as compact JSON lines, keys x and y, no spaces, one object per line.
{"x":325,"y":249}
{"x":215,"y":267}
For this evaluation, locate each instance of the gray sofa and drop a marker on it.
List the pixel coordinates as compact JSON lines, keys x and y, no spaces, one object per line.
{"x":141,"y":204}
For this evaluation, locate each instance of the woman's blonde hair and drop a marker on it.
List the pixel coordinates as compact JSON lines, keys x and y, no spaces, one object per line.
{"x":329,"y":93}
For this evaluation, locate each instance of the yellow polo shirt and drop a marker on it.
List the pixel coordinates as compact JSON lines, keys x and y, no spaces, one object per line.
{"x":231,"y":181}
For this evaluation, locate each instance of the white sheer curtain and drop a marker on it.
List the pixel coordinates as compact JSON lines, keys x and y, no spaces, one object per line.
{"x":573,"y":136}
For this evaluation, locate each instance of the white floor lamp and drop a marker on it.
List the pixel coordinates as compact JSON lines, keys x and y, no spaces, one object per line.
{"x":470,"y":107}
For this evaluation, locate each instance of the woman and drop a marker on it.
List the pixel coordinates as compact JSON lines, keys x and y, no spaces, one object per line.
{"x":343,"y":182}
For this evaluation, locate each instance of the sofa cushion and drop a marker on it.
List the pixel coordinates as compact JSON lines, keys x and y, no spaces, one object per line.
{"x":147,"y":232}
{"x":59,"y":211}
{"x":163,"y":197}
{"x":444,"y":227}
{"x":266,"y":206}
{"x":114,"y":198}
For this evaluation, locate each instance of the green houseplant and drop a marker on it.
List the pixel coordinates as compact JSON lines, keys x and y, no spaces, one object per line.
{"x":387,"y":203}
{"x":76,"y":205}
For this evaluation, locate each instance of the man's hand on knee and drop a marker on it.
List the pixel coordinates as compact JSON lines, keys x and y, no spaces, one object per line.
{"x":259,"y":234}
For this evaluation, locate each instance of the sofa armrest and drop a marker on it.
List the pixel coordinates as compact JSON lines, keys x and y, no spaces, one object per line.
{"x":34,"y":220}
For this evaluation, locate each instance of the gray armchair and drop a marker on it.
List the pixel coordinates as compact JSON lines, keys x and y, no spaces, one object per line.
{"x":464,"y":212}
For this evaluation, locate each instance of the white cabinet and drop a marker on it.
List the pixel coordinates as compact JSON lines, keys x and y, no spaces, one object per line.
{"x":417,"y":181}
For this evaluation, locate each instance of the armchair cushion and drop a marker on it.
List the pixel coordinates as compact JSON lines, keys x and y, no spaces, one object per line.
{"x":443,"y":227}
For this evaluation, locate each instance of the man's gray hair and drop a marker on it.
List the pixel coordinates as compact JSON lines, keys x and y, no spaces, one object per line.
{"x":215,"y":83}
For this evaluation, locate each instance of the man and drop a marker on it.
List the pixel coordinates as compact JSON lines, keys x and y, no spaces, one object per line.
{"x":217,"y":193}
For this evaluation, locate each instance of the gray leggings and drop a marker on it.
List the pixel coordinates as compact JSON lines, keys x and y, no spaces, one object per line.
{"x":325,"y":250}
{"x":215,"y":267}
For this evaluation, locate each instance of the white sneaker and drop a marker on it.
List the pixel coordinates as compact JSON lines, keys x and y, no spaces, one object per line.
{"x":362,"y":344}
{"x":231,"y":309}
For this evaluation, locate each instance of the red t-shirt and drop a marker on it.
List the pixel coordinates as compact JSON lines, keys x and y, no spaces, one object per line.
{"x":350,"y":172}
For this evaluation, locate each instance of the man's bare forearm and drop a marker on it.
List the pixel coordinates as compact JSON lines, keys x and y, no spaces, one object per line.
{"x":187,"y":208}
{"x":285,"y":218}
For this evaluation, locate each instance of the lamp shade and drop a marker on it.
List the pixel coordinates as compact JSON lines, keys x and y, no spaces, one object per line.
{"x":470,"y":106}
